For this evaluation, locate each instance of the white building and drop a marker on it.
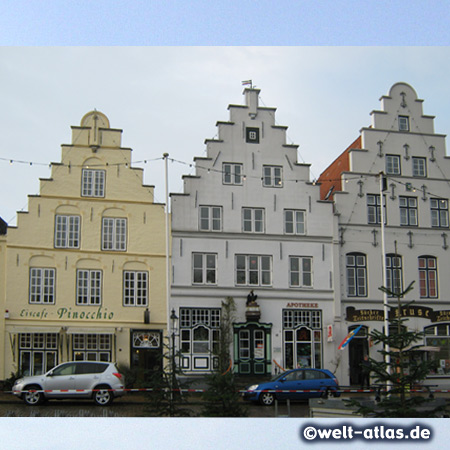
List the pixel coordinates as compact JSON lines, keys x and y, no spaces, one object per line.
{"x":250,"y":219}
{"x":400,"y":142}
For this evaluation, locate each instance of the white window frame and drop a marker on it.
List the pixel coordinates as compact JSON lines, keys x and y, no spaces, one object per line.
{"x":135,"y":288}
{"x":419,"y":167}
{"x":356,"y":274}
{"x":210,"y":218}
{"x":253,"y":270}
{"x":302,"y":274}
{"x":408,"y":211}
{"x":393,"y":165}
{"x":93,"y":183}
{"x":89,"y":287}
{"x":204,"y":268}
{"x":374,"y":209}
{"x":253,"y":220}
{"x":439,"y":212}
{"x":232,"y":174}
{"x":114,"y":234}
{"x":294,"y":221}
{"x":67,"y":231}
{"x":273,"y":176}
{"x":42,"y":285}
{"x":403,"y":123}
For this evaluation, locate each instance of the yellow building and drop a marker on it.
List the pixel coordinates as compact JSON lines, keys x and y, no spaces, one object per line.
{"x":85,"y":266}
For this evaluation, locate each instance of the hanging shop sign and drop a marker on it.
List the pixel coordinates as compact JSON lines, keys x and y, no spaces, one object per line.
{"x":365,"y":315}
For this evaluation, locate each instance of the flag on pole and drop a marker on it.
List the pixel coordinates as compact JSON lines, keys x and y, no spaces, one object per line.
{"x":348,"y":338}
{"x":247,"y":83}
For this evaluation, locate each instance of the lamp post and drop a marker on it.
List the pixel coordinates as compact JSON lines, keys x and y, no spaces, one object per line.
{"x":173,"y":327}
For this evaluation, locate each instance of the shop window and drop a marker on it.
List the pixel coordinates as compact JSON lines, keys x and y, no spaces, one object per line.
{"x":38,"y":353}
{"x":437,"y":339}
{"x":91,"y":347}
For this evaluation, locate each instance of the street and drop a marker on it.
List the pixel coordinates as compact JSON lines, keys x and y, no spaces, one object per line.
{"x":131,"y":405}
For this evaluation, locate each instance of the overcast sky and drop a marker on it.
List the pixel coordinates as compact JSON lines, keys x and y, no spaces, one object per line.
{"x":168,"y":99}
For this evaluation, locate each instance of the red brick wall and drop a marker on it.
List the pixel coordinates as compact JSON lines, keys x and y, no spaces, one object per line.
{"x":331,"y":176}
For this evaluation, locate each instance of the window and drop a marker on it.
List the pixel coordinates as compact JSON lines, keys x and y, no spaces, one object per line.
{"x":408,"y":211}
{"x":439,"y":212}
{"x":114,"y":234}
{"x":92,"y":183}
{"x":67,"y":231}
{"x":393,"y":165}
{"x":300,"y":271}
{"x":42,"y":285}
{"x":89,"y":287}
{"x":419,"y":166}
{"x":252,"y":135}
{"x":356,"y":275}
{"x":272,"y":176}
{"x":204,"y":268}
{"x":253,"y":270}
{"x":302,"y":332}
{"x":199,"y":338}
{"x":37,"y":353}
{"x":374,"y":209}
{"x":135,"y":288}
{"x":294,"y":221}
{"x":253,"y":220}
{"x":394,"y":278}
{"x":438,"y":336}
{"x":91,"y":347}
{"x":232,"y":173}
{"x":403,"y":123}
{"x":428,"y":277}
{"x":210,"y":218}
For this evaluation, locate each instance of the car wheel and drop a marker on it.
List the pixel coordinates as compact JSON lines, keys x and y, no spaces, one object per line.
{"x":266,"y":398}
{"x":103,"y":396}
{"x":32,"y":398}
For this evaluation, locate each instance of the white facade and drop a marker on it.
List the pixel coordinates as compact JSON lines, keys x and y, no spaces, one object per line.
{"x":400,"y":142}
{"x":250,"y":219}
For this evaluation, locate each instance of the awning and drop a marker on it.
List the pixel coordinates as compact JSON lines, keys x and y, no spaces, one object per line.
{"x":89,"y":330}
{"x":12,"y":329}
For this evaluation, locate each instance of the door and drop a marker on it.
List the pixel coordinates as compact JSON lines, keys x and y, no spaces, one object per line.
{"x":358,"y":347}
{"x":253,"y":352}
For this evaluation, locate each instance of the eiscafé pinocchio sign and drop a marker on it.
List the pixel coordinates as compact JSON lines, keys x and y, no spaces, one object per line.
{"x":365,"y":315}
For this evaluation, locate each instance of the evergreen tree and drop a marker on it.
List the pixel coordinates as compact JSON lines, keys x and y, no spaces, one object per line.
{"x":222,"y":398}
{"x":401,"y":371}
{"x":168,"y":398}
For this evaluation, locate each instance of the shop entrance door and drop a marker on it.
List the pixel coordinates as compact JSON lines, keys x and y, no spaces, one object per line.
{"x":146,"y":353}
{"x":253,"y":353}
{"x":358,"y":347}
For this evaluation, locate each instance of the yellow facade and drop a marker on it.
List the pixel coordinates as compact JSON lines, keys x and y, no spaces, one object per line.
{"x":86,"y":265}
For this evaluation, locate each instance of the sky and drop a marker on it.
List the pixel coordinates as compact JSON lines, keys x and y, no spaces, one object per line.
{"x":165,"y":72}
{"x":167,"y":99}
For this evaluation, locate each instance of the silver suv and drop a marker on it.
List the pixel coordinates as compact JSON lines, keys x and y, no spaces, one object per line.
{"x":100,"y":381}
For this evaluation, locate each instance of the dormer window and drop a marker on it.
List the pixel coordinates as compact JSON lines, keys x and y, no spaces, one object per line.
{"x":403,"y":123}
{"x":252,"y":135}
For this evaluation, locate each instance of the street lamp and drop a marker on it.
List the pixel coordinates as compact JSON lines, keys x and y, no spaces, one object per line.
{"x":173,"y":328}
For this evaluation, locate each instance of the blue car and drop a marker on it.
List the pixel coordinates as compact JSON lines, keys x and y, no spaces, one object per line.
{"x":292,"y":385}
